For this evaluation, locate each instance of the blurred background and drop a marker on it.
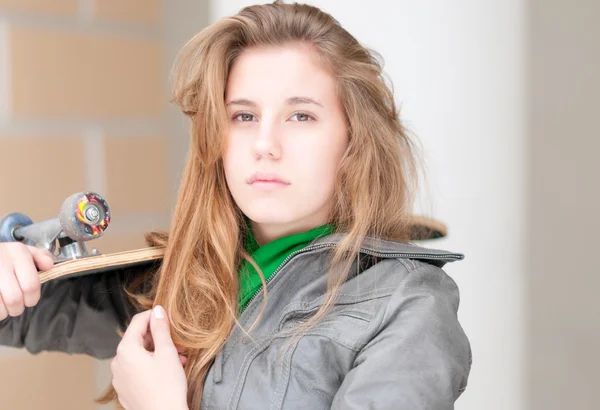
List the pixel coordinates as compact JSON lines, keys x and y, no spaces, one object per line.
{"x":502,"y":96}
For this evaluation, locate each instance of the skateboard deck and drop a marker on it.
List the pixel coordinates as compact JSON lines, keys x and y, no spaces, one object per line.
{"x":422,"y":228}
{"x":103,"y":263}
{"x":84,"y":216}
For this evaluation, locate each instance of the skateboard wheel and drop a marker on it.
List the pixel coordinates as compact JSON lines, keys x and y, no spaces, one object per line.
{"x":84,"y":216}
{"x":9,"y":223}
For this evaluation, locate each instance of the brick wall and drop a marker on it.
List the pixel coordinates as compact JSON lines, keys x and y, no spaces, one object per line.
{"x":82,"y":103}
{"x":82,"y":107}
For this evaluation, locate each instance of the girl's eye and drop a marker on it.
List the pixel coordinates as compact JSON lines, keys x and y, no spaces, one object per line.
{"x":247,"y":117}
{"x":244,"y":117}
{"x":302,"y":117}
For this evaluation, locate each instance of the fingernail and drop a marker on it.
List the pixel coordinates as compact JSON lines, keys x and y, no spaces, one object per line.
{"x":159,"y":312}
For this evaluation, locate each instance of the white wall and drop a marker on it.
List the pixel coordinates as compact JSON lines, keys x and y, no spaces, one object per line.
{"x":563,"y":216}
{"x":458,"y":70}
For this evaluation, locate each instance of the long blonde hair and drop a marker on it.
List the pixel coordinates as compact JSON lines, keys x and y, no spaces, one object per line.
{"x":197,"y":282}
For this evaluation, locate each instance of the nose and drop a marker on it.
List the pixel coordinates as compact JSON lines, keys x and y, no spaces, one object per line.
{"x":266,"y":143}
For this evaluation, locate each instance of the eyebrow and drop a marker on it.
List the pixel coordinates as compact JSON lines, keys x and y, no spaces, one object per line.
{"x":289,"y":101}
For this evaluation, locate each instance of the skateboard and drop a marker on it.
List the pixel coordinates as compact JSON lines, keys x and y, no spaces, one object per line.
{"x":85,"y":216}
{"x":423,"y":228}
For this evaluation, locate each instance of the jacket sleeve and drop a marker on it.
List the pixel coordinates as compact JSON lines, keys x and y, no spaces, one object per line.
{"x":74,"y":315}
{"x":420,"y":357}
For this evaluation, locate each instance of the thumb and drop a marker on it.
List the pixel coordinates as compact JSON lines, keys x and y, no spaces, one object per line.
{"x":42,"y":258}
{"x":161,"y":332}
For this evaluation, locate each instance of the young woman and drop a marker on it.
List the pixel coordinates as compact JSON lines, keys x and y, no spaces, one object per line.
{"x":289,"y":279}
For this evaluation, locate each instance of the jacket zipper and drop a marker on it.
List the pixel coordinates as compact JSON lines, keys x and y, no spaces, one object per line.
{"x":367,"y":251}
{"x":218,"y":371}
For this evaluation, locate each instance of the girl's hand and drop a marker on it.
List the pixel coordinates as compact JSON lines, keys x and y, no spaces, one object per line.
{"x":20,"y":285}
{"x":146,"y":380}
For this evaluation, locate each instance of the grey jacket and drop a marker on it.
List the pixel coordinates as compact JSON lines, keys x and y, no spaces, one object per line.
{"x":391,"y":341}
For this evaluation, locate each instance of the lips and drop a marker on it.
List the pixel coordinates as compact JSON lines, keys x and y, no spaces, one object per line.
{"x":264,"y":177}
{"x":267,"y":182}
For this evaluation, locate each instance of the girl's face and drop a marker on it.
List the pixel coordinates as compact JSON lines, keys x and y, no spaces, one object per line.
{"x":286,"y":138}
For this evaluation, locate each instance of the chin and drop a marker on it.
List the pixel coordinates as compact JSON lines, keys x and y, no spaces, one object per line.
{"x":267,"y":210}
{"x":269,"y":217}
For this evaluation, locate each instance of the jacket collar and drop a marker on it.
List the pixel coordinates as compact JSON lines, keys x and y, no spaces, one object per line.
{"x":391,"y":249}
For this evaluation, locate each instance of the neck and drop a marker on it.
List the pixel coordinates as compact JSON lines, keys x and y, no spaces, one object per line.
{"x":265,"y":233}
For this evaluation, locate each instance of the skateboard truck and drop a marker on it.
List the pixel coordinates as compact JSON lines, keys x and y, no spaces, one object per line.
{"x":83,"y":216}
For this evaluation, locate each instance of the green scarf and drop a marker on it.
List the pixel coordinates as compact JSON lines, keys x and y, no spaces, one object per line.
{"x":270,"y":256}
